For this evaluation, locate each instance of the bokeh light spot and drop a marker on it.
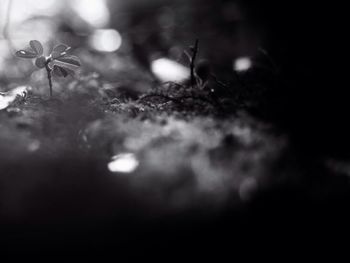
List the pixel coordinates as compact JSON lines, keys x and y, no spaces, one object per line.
{"x":95,"y":12}
{"x":168,"y":70}
{"x":106,"y":40}
{"x":123,"y":163}
{"x":242,"y":64}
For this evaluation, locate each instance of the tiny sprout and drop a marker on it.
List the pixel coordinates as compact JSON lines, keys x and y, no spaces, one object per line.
{"x":58,"y":63}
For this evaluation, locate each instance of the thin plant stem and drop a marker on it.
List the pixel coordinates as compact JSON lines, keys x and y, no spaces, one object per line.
{"x":49,"y":77}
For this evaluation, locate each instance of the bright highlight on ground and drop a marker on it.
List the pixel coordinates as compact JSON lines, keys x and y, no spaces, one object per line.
{"x":242,"y":64}
{"x":168,"y":70}
{"x":123,"y":163}
{"x":105,"y":40}
{"x":8,"y":97}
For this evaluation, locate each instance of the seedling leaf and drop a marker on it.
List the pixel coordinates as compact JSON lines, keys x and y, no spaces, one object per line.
{"x":25,"y":54}
{"x":62,"y":72}
{"x":58,"y":72}
{"x":40,"y":62}
{"x":37,"y":47}
{"x":70,"y":60}
{"x":60,"y":48}
{"x":55,"y":54}
{"x":65,"y":65}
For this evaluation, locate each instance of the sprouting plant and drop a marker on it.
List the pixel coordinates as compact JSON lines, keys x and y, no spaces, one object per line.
{"x":59,"y":63}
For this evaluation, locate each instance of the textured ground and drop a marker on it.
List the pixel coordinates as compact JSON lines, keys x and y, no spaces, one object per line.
{"x":92,"y":163}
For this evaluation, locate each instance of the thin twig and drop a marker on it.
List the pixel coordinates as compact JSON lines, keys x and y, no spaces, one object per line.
{"x":193,"y":61}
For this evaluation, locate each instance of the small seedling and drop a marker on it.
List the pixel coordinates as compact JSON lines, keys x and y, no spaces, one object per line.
{"x":59,"y":63}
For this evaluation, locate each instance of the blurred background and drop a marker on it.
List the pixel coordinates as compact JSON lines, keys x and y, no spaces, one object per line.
{"x":144,"y":30}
